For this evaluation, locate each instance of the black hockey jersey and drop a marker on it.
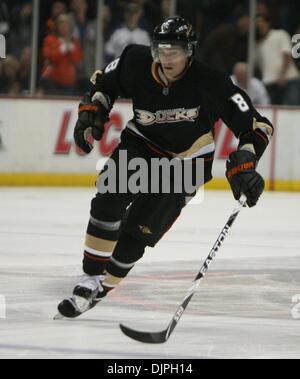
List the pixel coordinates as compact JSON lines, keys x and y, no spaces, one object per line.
{"x":179,"y":117}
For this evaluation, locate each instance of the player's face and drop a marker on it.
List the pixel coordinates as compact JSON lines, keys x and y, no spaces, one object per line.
{"x":173,"y":61}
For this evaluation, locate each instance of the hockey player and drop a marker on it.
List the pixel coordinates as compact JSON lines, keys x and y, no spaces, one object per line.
{"x":176,"y":102}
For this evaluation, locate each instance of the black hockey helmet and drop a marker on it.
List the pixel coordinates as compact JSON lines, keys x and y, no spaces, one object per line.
{"x":174,"y":31}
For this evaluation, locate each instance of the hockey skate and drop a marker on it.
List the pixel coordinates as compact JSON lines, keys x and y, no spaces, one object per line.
{"x":87,"y":293}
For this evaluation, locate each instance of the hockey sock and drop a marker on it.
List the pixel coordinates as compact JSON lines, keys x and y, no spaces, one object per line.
{"x":127,"y":252}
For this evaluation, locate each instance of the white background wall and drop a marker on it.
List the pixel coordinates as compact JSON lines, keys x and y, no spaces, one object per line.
{"x":37,"y":137}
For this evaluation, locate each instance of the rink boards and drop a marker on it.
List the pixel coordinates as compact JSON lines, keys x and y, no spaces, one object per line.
{"x":37,"y":147}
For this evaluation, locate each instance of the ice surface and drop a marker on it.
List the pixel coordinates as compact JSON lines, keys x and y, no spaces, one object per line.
{"x":243,"y":309}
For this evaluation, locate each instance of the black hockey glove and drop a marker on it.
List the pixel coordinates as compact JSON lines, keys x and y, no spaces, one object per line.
{"x":242,"y":177}
{"x":91,"y":119}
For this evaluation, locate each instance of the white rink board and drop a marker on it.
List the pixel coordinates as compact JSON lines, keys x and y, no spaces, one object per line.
{"x":287,"y":164}
{"x":37,"y":137}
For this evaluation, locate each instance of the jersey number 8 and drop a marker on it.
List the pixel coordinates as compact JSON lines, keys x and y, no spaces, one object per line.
{"x":112,"y":65}
{"x":240,"y":102}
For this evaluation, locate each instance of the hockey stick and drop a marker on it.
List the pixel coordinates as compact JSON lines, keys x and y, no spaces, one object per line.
{"x":163,"y":336}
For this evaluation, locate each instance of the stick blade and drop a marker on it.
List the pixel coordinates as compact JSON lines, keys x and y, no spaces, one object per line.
{"x":145,"y":337}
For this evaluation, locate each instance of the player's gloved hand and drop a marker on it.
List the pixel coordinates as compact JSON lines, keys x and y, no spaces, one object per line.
{"x":91,"y":119}
{"x":242,"y":177}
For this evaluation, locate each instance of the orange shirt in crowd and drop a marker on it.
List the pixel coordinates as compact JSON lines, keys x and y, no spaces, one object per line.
{"x":50,"y":25}
{"x":61,"y":59}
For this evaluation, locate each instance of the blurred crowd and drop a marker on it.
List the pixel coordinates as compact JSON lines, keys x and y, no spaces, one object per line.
{"x":68,"y":31}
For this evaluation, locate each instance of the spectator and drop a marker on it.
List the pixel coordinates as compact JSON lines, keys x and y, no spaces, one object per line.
{"x":79,"y":18}
{"x":90,"y":40}
{"x":9,"y":71}
{"x":128,"y":33}
{"x":262,"y":8}
{"x":151,"y":14}
{"x":256,"y":89}
{"x":227,"y":45}
{"x":80,"y":22}
{"x":21,"y":29}
{"x":215,"y":12}
{"x":25,"y":67}
{"x":61,"y":53}
{"x":289,"y":15}
{"x":279,"y":72}
{"x":58,"y":8}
